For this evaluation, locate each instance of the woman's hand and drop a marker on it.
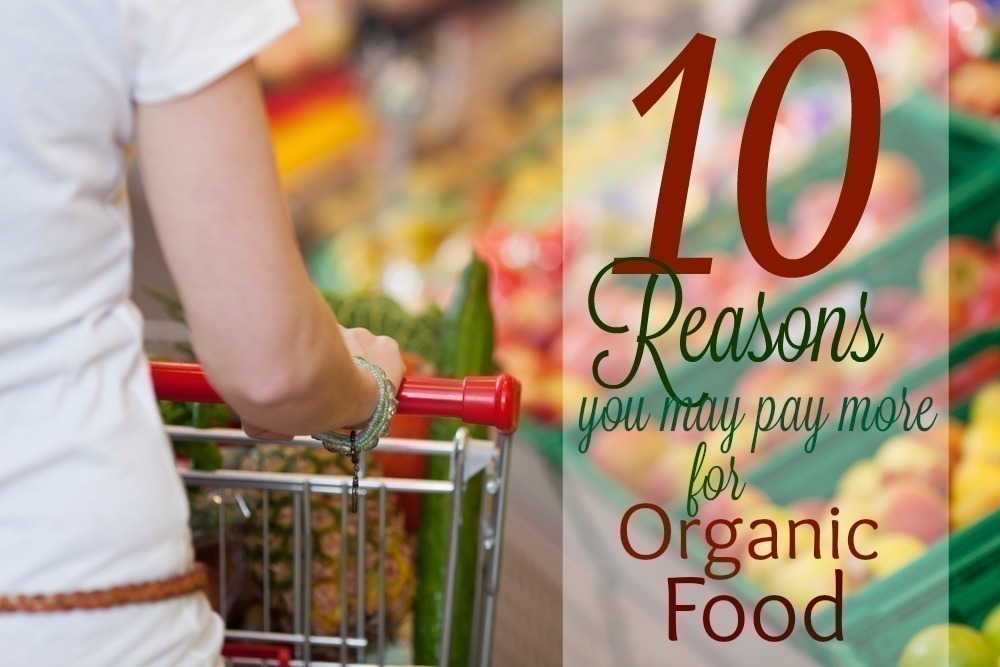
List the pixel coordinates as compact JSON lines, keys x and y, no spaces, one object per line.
{"x":379,"y":350}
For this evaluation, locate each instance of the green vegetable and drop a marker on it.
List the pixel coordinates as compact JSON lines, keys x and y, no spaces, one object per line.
{"x":417,"y":334}
{"x":203,"y":455}
{"x":466,"y":349}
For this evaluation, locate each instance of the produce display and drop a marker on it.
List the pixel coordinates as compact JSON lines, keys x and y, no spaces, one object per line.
{"x":911,"y":485}
{"x":921,"y":490}
{"x":905,"y":488}
{"x":655,"y":466}
{"x":653,"y":463}
{"x":497,"y":186}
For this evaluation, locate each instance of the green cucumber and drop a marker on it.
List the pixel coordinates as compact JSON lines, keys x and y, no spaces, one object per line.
{"x":466,"y":349}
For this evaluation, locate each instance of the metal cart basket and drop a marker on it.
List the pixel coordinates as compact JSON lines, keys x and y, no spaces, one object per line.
{"x":490,"y":401}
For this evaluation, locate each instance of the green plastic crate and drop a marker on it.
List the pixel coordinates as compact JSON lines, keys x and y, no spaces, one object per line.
{"x":972,"y":141}
{"x":957,"y":579}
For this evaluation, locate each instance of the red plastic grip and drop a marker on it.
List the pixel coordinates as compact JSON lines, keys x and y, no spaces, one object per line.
{"x":489,"y":401}
{"x":281,"y":655}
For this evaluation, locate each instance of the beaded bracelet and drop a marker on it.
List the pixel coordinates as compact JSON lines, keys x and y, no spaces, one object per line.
{"x":355,"y":443}
{"x":377,"y":426}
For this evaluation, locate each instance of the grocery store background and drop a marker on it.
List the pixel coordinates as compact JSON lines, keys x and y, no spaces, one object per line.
{"x":409,"y":132}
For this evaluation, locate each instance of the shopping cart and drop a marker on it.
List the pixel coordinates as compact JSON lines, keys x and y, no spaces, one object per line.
{"x":489,"y":401}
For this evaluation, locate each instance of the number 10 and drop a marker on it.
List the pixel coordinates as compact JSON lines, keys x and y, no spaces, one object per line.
{"x":695,"y":62}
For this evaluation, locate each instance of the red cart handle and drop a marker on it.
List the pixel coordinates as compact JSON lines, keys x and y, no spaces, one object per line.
{"x":490,"y":401}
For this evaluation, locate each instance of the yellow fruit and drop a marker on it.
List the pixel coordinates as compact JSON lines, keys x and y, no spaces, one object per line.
{"x":805,"y":579}
{"x":975,"y":491}
{"x":973,"y":477}
{"x":991,"y":627}
{"x":906,"y":454}
{"x":986,"y":405}
{"x":861,"y":481}
{"x":767,"y":574}
{"x":968,"y":510}
{"x":895,"y":551}
{"x":982,"y":441}
{"x":948,"y":645}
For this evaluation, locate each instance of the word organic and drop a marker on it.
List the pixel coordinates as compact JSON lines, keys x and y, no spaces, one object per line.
{"x":762,"y":539}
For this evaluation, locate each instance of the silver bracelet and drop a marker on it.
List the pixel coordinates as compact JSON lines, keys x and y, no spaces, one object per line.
{"x":352,"y":445}
{"x":378,"y":425}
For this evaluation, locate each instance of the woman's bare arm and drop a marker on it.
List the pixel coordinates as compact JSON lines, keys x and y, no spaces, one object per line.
{"x":268,"y":342}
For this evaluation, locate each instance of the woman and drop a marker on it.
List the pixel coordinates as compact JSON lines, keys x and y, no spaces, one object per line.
{"x":89,"y":497}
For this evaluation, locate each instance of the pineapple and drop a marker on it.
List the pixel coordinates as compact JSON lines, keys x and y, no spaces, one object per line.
{"x":327,"y":551}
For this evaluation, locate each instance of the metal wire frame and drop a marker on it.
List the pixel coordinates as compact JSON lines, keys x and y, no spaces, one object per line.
{"x":228,"y":483}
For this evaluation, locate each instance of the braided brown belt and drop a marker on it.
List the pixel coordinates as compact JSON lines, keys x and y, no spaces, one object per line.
{"x":192,"y":581}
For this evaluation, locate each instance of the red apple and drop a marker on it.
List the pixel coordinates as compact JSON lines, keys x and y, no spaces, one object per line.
{"x":952,"y":274}
{"x":895,"y":188}
{"x":975,"y":87}
{"x":889,"y":305}
{"x":984,"y":308}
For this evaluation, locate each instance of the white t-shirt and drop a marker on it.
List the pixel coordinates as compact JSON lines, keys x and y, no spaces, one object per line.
{"x":89,"y":496}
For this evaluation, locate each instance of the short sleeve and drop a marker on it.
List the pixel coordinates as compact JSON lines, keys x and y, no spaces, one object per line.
{"x":181,"y":46}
